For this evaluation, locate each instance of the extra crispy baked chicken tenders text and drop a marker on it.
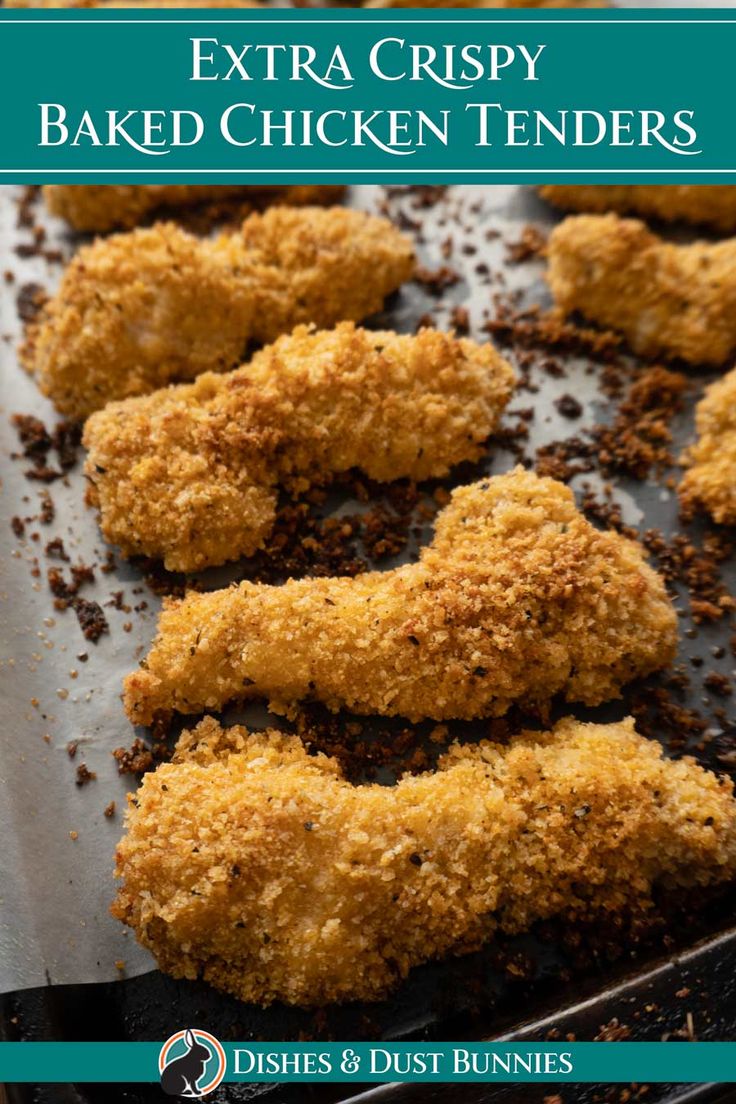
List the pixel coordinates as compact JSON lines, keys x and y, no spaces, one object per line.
{"x":109,"y":206}
{"x":668,"y":300}
{"x":710,"y":483}
{"x":189,"y":474}
{"x":706,"y":205}
{"x":136,"y":311}
{"x":517,"y":597}
{"x":254,"y":865}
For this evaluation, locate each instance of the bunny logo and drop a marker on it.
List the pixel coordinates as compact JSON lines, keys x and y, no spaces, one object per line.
{"x":188,"y":1058}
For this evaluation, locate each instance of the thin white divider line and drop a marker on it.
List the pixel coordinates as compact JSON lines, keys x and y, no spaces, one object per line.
{"x":371,"y":22}
{"x":364,"y":172}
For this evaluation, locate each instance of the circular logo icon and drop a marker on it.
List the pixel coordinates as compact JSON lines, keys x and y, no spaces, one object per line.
{"x":192,"y":1063}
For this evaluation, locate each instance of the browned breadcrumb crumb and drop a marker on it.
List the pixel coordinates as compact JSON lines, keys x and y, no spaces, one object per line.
{"x":460,"y":319}
{"x":530,"y":245}
{"x":38,"y":443}
{"x":639,"y":437}
{"x":566,"y":458}
{"x":613,"y":1032}
{"x":140,"y":757}
{"x":363,"y":752}
{"x":48,"y":510}
{"x":29,"y":301}
{"x":55,"y":550}
{"x":437,"y":280}
{"x":662,"y":718}
{"x":635,"y":442}
{"x":528,"y":328}
{"x":92,"y":620}
{"x":718,"y":683}
{"x":36,"y":248}
{"x":569,"y":406}
{"x":90,"y":615}
{"x":679,"y":559}
{"x":25,"y":203}
{"x":84,"y":775}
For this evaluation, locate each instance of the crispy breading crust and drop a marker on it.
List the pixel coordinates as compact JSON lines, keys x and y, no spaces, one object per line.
{"x":114,"y":206}
{"x":668,"y":300}
{"x":139,"y":310}
{"x":710,"y":483}
{"x":518,"y":597}
{"x":189,"y":474}
{"x":255,"y":866}
{"x":702,"y":204}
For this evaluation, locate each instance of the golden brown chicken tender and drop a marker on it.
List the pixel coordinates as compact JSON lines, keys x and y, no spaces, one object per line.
{"x":668,"y":300}
{"x":139,"y":310}
{"x":190,"y":474}
{"x":518,"y":598}
{"x":710,"y":483}
{"x":113,"y":206}
{"x":702,"y":204}
{"x":256,"y":866}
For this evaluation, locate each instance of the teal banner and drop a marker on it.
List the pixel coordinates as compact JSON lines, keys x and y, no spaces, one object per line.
{"x":364,"y":1062}
{"x":276,"y":95}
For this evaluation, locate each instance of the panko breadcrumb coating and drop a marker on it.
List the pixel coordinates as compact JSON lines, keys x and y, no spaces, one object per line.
{"x":702,"y":204}
{"x":668,"y":300}
{"x":139,"y":310}
{"x":710,"y":483}
{"x":101,"y":207}
{"x":256,"y":866}
{"x":190,"y":474}
{"x":517,"y":598}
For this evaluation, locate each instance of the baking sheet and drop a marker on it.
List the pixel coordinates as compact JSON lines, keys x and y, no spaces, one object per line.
{"x":57,"y":856}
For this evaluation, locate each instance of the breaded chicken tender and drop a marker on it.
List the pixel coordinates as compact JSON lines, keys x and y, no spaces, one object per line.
{"x":256,"y":866}
{"x":702,"y":204}
{"x":518,"y":598}
{"x":139,"y":310}
{"x":710,"y":483}
{"x":113,"y":206}
{"x":190,"y":474}
{"x":668,"y":300}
